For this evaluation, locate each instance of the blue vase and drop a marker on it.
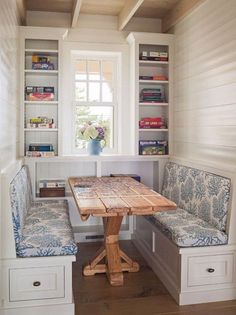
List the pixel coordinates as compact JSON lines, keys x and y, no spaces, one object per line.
{"x":94,"y":147}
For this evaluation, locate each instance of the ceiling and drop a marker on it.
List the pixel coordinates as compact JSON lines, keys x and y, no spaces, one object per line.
{"x":149,"y":8}
{"x":123,"y":9}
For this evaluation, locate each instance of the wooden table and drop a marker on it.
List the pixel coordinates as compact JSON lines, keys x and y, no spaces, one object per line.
{"x":112,"y":198}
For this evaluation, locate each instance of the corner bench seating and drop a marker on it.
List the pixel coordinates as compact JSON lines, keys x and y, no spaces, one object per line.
{"x":192,"y":249}
{"x":41,"y":228}
{"x":38,"y":249}
{"x":202,"y":199}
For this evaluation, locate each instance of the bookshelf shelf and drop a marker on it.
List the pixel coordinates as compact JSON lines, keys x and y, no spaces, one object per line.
{"x":153,"y":82}
{"x":41,"y":102}
{"x":41,"y":51}
{"x":152,"y":62}
{"x":41,"y":129}
{"x":41,"y":72}
{"x":153,"y":129}
{"x":153,"y":104}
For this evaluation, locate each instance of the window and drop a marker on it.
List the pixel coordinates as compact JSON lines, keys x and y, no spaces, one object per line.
{"x":95,"y":97}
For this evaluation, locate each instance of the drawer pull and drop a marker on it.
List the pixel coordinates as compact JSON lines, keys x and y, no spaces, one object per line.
{"x":210,"y":270}
{"x":36,"y":283}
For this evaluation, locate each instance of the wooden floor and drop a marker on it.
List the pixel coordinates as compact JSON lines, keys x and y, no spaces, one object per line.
{"x":142,"y":293}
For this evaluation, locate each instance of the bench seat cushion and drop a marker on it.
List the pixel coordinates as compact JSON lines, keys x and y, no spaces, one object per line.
{"x":187,"y":230}
{"x":47,"y":230}
{"x":203,"y":194}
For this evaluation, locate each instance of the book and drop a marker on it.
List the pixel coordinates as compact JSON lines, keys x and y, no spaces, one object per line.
{"x":42,"y":66}
{"x":151,"y":122}
{"x":41,"y":120}
{"x":51,"y":183}
{"x":40,"y":58}
{"x":40,"y":154}
{"x":41,"y":126}
{"x":45,"y":147}
{"x":39,"y":93}
{"x":39,"y":89}
{"x":153,"y":147}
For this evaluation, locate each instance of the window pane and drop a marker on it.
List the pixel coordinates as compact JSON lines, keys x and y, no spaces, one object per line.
{"x":98,"y":116}
{"x":107,"y":70}
{"x":94,"y":92}
{"x":81,"y":91}
{"x":107,"y":92}
{"x":94,"y":70}
{"x":80,"y":70}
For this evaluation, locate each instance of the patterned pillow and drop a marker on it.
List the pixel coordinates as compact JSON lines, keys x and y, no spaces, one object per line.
{"x":202,"y":194}
{"x":21,"y":198}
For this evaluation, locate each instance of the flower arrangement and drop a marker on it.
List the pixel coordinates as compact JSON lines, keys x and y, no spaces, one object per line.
{"x":94,"y":131}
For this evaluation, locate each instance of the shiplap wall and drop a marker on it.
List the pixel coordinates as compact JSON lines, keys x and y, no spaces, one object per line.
{"x":205,"y":84}
{"x":9,"y":92}
{"x":9,"y":105}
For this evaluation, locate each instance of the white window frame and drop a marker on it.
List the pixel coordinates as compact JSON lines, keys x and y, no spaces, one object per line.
{"x":105,"y":56}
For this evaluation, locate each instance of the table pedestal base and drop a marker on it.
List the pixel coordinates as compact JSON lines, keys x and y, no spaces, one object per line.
{"x":116,"y":260}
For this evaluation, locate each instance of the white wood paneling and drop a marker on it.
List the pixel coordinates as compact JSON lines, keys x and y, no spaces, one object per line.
{"x":9,"y":108}
{"x":205,"y":82}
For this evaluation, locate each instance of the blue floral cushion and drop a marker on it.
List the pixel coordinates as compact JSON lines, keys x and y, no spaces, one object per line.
{"x":21,"y":198}
{"x":187,"y":230}
{"x":47,"y":231}
{"x":202,"y":194}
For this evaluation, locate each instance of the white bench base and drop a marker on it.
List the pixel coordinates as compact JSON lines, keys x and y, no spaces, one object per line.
{"x":184,"y":271}
{"x":65,"y":309}
{"x":52,"y":293}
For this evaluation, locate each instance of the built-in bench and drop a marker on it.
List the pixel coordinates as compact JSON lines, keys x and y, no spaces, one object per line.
{"x":41,"y":228}
{"x":202,"y":199}
{"x":38,"y":249}
{"x":188,"y":248}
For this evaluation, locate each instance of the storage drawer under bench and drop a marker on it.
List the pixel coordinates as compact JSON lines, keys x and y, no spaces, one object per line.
{"x":210,"y":270}
{"x":37,"y":283}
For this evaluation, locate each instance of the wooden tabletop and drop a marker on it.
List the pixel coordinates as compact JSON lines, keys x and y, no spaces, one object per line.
{"x":114,"y":196}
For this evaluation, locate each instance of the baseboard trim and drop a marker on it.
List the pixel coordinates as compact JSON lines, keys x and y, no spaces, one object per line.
{"x":207,"y":296}
{"x":62,"y":309}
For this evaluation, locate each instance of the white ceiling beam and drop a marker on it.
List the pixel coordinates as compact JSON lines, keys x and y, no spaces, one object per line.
{"x":75,"y":12}
{"x":22,"y":10}
{"x":131,"y":6}
{"x":179,"y":11}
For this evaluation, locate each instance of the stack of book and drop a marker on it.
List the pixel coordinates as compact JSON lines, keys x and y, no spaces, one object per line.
{"x":153,"y":95}
{"x":52,"y":183}
{"x":154,"y":77}
{"x":52,"y":188}
{"x":41,"y":62}
{"x":152,"y":122}
{"x":41,"y":122}
{"x":153,"y":147}
{"x":154,"y":55}
{"x":40,"y":150}
{"x":39,"y":93}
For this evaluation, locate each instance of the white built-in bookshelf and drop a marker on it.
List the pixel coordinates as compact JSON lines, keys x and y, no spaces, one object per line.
{"x":142,"y":72}
{"x":36,"y":42}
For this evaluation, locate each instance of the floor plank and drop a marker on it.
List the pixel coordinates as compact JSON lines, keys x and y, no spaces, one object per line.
{"x":142,"y":293}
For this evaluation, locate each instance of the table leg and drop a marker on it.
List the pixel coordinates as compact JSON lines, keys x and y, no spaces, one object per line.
{"x":116,"y":260}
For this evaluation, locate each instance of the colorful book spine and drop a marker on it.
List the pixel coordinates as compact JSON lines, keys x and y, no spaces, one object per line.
{"x":41,"y":147}
{"x":40,"y":154}
{"x":52,"y":183}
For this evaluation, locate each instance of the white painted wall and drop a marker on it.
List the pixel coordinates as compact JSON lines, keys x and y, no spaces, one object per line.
{"x":205,"y":84}
{"x":9,"y":93}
